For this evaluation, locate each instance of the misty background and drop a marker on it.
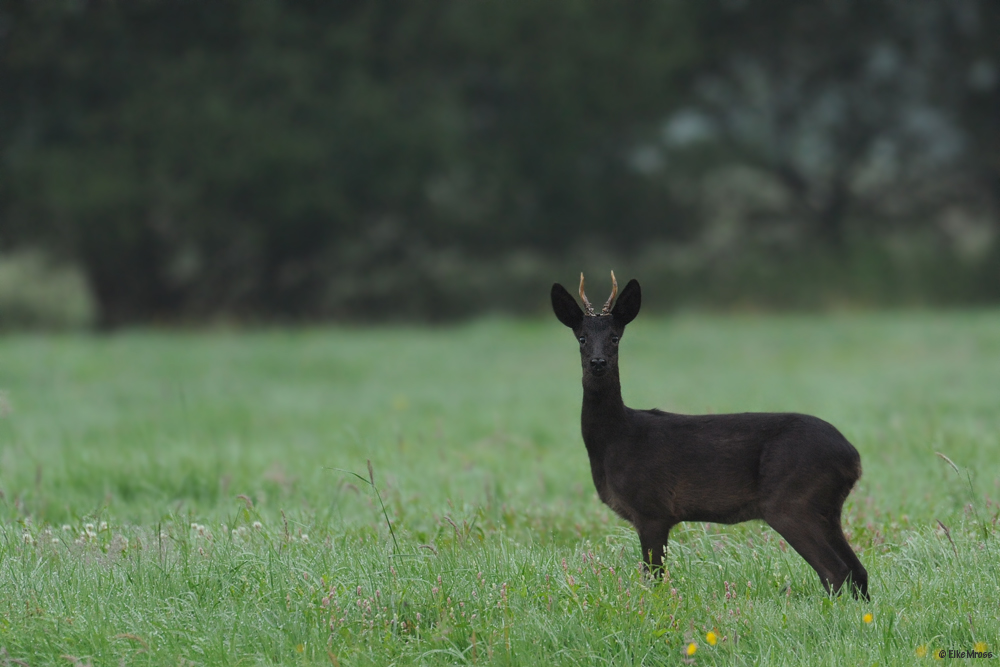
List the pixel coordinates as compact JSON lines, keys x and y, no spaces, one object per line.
{"x":185,"y":162}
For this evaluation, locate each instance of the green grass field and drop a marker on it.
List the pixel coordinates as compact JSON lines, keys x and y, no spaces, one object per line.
{"x":179,"y":498}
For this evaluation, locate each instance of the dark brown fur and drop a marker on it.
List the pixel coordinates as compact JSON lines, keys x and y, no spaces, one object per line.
{"x":656,"y":469}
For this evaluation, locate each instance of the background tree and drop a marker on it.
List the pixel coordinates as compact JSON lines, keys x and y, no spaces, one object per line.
{"x":300,"y":160}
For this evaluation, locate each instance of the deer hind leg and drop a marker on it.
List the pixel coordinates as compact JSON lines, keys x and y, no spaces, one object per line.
{"x":835,"y":537}
{"x":859,"y":575}
{"x":653,"y":537}
{"x":805,"y":532}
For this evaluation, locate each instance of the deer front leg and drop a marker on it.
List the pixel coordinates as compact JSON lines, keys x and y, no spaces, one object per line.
{"x":653,"y":535}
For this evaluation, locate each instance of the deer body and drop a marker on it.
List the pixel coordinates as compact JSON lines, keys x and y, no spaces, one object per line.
{"x":656,"y":469}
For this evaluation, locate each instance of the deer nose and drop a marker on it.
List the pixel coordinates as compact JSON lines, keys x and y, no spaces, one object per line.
{"x":598,"y":364}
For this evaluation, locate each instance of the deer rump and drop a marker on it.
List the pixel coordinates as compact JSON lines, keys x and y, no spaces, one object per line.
{"x":656,"y":469}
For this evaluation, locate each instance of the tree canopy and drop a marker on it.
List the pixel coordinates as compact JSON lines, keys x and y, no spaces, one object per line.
{"x":298,"y":159}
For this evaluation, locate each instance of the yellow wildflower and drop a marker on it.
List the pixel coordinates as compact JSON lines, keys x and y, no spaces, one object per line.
{"x":868,"y":618}
{"x":921,"y":650}
{"x":711,"y":638}
{"x":980,"y":647}
{"x":692,"y":647}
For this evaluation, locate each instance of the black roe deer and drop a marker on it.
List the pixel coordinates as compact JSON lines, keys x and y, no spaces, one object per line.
{"x":656,"y":469}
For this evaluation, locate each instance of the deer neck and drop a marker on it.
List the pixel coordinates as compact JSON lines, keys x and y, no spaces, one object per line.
{"x":604,"y":413}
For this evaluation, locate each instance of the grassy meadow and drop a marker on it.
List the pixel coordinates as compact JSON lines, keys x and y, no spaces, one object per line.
{"x":202,"y":498}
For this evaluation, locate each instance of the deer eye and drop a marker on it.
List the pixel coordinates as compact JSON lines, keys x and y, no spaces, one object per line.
{"x":614,"y":339}
{"x":582,"y":340}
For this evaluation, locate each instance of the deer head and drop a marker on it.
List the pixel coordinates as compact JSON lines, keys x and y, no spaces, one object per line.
{"x":598,"y":334}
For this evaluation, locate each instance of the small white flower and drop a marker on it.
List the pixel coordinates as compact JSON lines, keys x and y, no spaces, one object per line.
{"x":257,"y":525}
{"x":103,"y":526}
{"x":67,"y":527}
{"x":305,"y":538}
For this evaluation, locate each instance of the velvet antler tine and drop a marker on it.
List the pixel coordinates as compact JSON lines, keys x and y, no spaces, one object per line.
{"x":611,"y":299}
{"x":586,"y":303}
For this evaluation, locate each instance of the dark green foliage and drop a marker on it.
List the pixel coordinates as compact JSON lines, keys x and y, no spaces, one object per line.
{"x":198,"y":156}
{"x":301,"y":160}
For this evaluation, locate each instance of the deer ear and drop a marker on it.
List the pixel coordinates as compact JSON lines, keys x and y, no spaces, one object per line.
{"x":565,"y":307}
{"x":628,"y":303}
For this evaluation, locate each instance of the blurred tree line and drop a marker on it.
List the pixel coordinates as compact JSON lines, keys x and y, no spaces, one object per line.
{"x":299,"y":160}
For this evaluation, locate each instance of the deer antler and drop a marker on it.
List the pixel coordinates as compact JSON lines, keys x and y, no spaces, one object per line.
{"x":611,"y":299}
{"x":586,"y":303}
